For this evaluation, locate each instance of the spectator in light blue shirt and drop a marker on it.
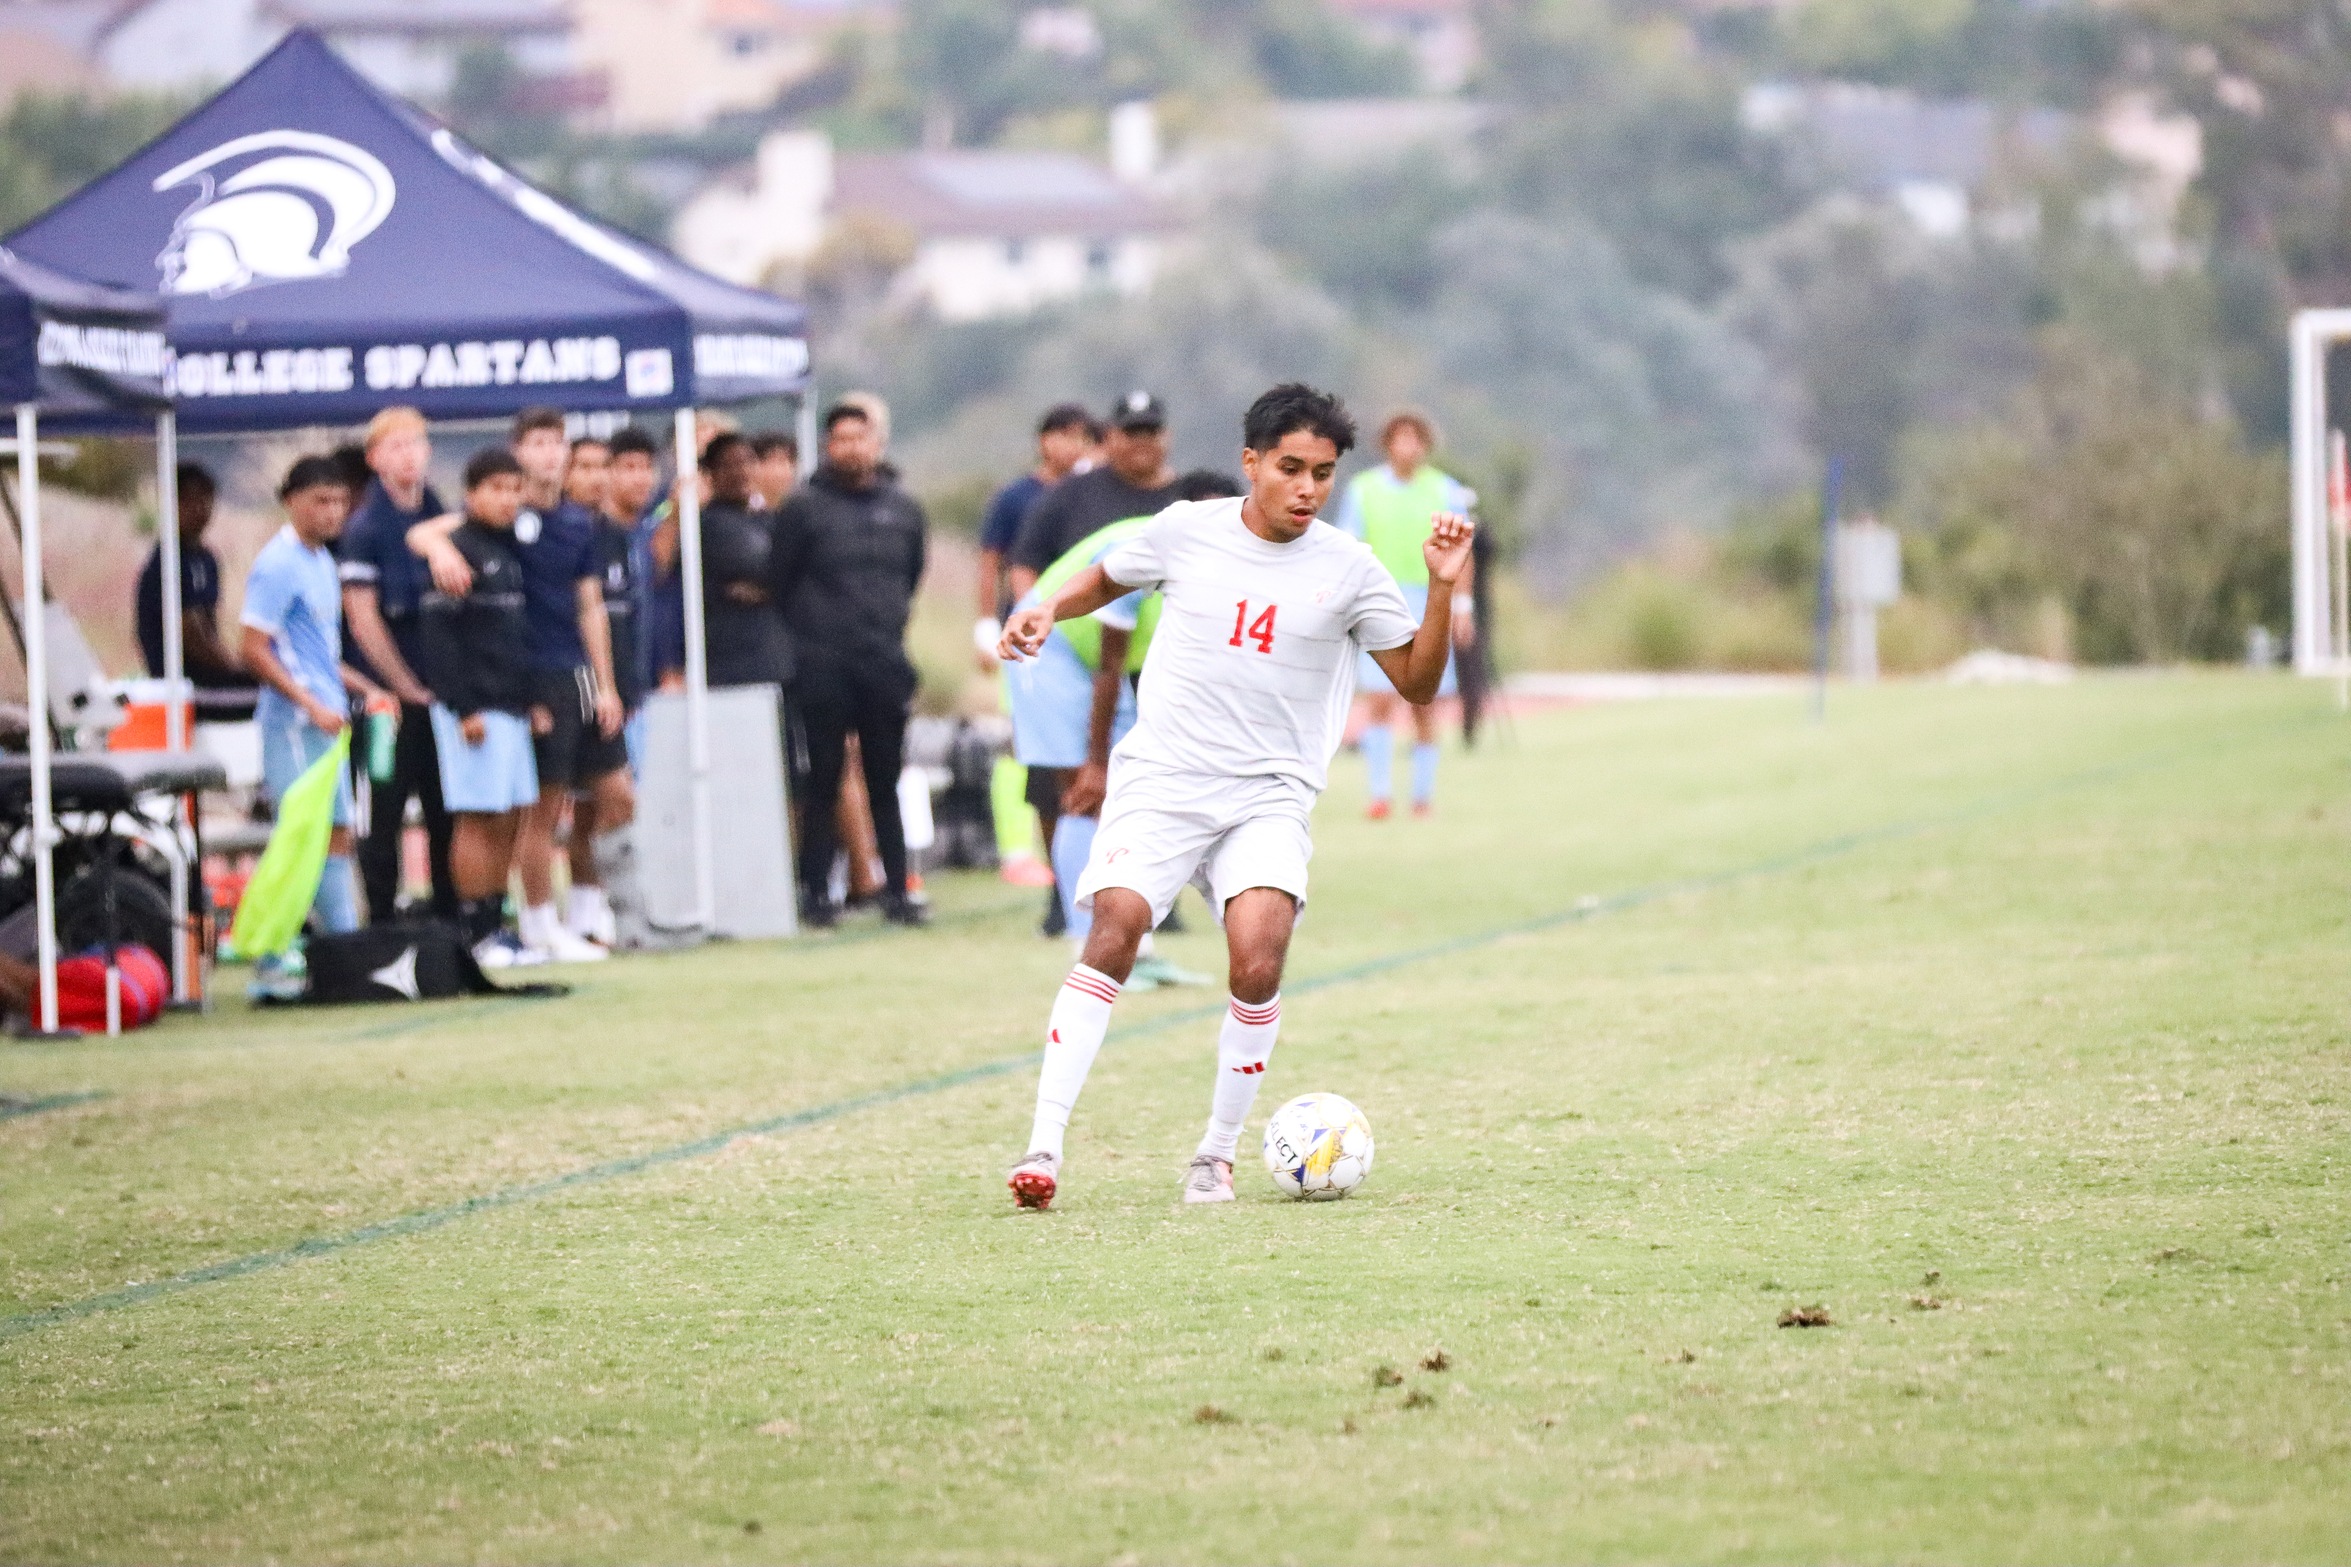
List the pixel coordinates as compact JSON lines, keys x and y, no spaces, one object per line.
{"x":293,"y":625}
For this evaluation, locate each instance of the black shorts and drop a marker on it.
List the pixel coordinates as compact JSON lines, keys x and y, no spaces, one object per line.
{"x":574,"y":753}
{"x":1044,"y":789}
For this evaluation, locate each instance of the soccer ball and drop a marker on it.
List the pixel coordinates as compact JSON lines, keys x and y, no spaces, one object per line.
{"x":1318,"y":1147}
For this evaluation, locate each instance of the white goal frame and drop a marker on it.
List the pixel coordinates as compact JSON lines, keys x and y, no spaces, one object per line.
{"x":2320,"y":628}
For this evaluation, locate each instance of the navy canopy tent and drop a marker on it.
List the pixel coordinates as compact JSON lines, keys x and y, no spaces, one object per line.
{"x":74,"y":350}
{"x":327,"y":249}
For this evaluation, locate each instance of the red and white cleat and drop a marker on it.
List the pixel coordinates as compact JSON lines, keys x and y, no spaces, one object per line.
{"x":1033,"y":1183}
{"x":1378,"y":810}
{"x":1209,"y":1179}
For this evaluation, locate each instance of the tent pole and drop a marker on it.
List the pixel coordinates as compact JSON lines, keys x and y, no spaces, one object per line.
{"x":167,"y":539}
{"x":175,"y":713}
{"x":697,"y":666}
{"x":36,"y":679}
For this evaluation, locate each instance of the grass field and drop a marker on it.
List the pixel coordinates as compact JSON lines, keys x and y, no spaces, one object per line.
{"x":2007,"y":1027}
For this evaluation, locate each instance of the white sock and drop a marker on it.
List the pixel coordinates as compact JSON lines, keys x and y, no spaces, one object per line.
{"x":1243,"y":1045}
{"x":537,"y":924}
{"x":1081,"y":1016}
{"x":585,"y":913}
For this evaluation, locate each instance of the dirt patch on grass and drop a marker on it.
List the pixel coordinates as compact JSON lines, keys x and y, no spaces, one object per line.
{"x":1807,"y":1317}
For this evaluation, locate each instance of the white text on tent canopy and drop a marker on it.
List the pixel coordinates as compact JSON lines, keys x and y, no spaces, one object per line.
{"x":110,"y":350}
{"x":720,"y":356}
{"x":400,"y":367}
{"x":263,"y":372}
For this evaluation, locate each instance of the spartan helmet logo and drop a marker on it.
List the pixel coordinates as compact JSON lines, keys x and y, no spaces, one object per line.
{"x":291,"y":206}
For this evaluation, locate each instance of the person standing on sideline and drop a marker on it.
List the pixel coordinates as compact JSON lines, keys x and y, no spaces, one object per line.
{"x":849,"y":552}
{"x":575,"y":715}
{"x":383,"y":590}
{"x":224,"y":692}
{"x":1133,"y":481}
{"x":1063,"y":436}
{"x":775,"y":468}
{"x":621,"y":544}
{"x":744,"y":641}
{"x":477,"y":654}
{"x":1393,"y":508}
{"x":293,"y":628}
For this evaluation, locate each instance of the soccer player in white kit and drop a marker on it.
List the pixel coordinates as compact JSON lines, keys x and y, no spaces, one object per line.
{"x":1243,"y":700}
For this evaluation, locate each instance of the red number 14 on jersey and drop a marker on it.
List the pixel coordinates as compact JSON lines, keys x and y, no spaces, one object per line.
{"x":1259,"y":631}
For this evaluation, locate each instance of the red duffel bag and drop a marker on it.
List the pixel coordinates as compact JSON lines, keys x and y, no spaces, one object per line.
{"x":81,"y":988}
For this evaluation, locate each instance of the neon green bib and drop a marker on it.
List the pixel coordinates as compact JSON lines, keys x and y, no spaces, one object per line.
{"x":1084,"y":634}
{"x":1396,"y":518}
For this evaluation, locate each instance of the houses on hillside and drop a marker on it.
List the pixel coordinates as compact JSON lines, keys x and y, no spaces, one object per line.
{"x":967,"y":234}
{"x":622,"y":65}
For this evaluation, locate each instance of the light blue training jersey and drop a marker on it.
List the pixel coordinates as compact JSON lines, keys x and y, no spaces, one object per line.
{"x":293,"y":596}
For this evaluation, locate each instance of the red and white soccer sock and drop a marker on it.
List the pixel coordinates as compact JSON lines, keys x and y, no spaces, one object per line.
{"x":1073,"y":1037}
{"x":1243,"y":1045}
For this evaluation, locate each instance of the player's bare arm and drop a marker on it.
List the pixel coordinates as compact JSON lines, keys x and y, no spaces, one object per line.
{"x":429,"y":541}
{"x":1082,"y":594}
{"x":1087,"y":786}
{"x":596,"y":637}
{"x":1418,"y":668}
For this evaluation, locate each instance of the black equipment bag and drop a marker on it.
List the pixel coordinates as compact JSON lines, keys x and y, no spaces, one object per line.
{"x":405,"y":960}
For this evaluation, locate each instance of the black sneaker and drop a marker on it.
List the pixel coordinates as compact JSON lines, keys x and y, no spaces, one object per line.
{"x":818,"y":914}
{"x":1056,"y":922}
{"x":899,"y":909}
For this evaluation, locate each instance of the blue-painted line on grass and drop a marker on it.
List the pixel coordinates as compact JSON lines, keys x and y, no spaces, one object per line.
{"x":427,"y":1219}
{"x":10,"y":1108}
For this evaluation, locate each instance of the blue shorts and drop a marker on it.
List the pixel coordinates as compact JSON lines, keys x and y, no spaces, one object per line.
{"x":1371,"y":680}
{"x":1052,"y":701}
{"x":632,"y":735}
{"x":500,"y":774}
{"x":290,"y":744}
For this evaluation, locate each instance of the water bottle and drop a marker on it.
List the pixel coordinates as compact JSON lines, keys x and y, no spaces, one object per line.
{"x":383,"y":733}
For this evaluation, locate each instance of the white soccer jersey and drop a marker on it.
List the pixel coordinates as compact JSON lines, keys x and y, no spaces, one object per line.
{"x":1251,"y":669}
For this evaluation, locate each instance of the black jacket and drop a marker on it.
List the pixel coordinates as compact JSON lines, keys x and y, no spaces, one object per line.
{"x":847,"y":561}
{"x":746,"y":643}
{"x":477,"y":649}
{"x":1076,"y":509}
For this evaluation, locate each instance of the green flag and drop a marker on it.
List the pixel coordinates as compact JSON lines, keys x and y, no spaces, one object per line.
{"x":277,"y":899}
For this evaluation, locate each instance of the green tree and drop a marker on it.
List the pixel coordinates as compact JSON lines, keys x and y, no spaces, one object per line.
{"x":1368,"y":233}
{"x":1646,"y":413}
{"x":52,"y":144}
{"x":1624,"y":122}
{"x":1878,"y":327}
{"x":2153,"y":524}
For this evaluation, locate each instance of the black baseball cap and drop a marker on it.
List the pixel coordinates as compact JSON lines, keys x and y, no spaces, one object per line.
{"x":1138,"y":410}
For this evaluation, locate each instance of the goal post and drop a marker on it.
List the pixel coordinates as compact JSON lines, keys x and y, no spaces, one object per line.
{"x":2320,"y":632}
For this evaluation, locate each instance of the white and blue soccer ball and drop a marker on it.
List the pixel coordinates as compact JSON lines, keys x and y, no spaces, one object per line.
{"x":1318,"y":1147}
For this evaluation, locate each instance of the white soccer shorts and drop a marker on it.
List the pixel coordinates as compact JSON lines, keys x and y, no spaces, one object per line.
{"x":1223,"y":835}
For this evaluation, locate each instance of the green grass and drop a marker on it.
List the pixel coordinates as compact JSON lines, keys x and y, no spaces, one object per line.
{"x":2007,"y":1026}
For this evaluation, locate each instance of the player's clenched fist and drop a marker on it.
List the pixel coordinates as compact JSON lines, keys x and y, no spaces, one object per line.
{"x":1447,"y":549}
{"x":1025,"y":632}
